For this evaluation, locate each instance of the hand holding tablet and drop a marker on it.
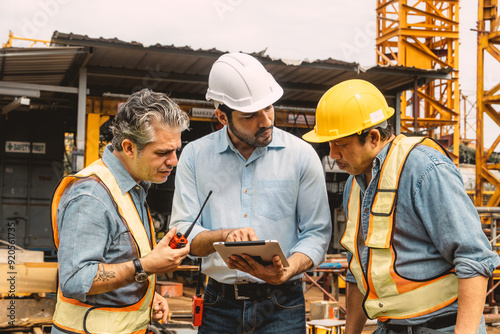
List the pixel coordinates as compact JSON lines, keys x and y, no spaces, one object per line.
{"x":261,"y":251}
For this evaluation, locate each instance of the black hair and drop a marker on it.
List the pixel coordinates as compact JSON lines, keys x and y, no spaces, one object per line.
{"x":226,"y":110}
{"x":385,"y":133}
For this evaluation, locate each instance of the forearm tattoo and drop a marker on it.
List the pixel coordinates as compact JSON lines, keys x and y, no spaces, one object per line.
{"x":103,"y":275}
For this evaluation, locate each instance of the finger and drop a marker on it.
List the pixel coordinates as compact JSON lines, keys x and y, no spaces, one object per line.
{"x":252,"y":236}
{"x":170,"y":234}
{"x":157,"y":316}
{"x":184,"y":251}
{"x":277,"y":262}
{"x":250,"y":261}
{"x":166,"y":312}
{"x":165,"y":316}
{"x":236,"y":262}
{"x":235,"y":236}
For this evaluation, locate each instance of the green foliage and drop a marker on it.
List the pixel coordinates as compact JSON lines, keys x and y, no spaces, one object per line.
{"x":468,"y":155}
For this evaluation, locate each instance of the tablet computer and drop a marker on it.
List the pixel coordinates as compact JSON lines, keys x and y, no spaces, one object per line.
{"x":261,"y":251}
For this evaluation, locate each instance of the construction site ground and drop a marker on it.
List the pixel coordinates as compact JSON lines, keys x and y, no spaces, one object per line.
{"x":180,"y":309}
{"x":181,"y":306}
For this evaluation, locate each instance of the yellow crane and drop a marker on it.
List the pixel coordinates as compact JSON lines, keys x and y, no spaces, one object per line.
{"x":488,"y":30}
{"x":424,"y":34}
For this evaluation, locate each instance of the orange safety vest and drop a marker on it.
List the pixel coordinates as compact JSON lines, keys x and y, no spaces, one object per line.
{"x":388,"y":295}
{"x":73,"y":316}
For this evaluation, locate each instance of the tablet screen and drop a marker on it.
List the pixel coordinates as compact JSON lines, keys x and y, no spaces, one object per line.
{"x":261,"y":251}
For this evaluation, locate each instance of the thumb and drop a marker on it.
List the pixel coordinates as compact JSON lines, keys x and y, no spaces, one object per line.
{"x":277,"y":261}
{"x":170,"y":234}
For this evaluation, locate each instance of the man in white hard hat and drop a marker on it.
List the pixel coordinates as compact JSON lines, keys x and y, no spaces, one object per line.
{"x":419,"y":261}
{"x":267,"y":184}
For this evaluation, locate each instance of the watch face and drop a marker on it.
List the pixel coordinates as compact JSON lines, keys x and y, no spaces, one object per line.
{"x":141,"y":277}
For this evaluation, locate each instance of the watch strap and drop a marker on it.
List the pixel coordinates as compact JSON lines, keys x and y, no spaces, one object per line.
{"x":138,"y":266}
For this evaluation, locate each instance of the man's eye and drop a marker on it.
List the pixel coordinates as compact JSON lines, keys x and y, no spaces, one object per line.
{"x":164,"y":153}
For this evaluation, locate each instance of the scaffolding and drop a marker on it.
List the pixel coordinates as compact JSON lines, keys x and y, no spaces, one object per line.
{"x":33,"y":41}
{"x":488,"y":31}
{"x":424,"y":34}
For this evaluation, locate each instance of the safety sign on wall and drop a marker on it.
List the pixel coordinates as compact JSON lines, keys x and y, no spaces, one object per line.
{"x":24,"y":147}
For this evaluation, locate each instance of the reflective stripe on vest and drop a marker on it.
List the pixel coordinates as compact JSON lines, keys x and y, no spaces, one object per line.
{"x":74,"y":316}
{"x":388,"y":295}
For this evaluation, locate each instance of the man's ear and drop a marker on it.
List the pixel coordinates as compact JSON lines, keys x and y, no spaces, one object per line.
{"x":221,"y":116}
{"x":374,"y":137}
{"x":129,"y":148}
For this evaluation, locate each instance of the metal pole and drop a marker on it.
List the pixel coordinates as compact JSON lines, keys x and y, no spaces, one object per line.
{"x":80,"y":129}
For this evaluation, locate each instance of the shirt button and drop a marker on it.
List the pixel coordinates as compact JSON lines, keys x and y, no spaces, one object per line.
{"x":245,"y":215}
{"x":367,"y":210}
{"x":246,"y":191}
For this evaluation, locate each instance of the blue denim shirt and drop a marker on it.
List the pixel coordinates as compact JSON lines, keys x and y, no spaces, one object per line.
{"x":280,"y":192}
{"x":91,"y":232}
{"x":436,"y":228}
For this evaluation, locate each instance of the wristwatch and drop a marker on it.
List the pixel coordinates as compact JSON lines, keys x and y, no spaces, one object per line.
{"x":140,"y":274}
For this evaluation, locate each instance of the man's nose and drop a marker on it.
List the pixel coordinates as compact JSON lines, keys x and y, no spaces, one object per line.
{"x":172,"y":159}
{"x":265,"y":120}
{"x":334,"y":152}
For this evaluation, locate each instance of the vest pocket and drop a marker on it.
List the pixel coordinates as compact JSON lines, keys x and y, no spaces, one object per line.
{"x":276,"y":199}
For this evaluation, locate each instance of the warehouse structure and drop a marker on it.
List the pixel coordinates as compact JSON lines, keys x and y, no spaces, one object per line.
{"x":56,"y":103}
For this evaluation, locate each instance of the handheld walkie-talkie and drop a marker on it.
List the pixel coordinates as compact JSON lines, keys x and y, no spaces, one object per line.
{"x":197,"y":301}
{"x":180,"y":240}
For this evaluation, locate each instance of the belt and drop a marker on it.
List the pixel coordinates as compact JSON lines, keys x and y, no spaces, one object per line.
{"x":435,"y":323}
{"x":245,"y":290}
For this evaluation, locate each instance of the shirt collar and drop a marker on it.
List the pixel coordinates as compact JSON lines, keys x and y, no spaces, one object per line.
{"x":225,"y":143}
{"x":376,"y":165}
{"x":121,"y":175}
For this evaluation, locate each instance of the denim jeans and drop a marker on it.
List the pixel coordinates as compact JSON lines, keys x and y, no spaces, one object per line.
{"x":283,"y":312}
{"x":450,"y":330}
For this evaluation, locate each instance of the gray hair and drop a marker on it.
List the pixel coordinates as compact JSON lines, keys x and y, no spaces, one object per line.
{"x":136,"y":119}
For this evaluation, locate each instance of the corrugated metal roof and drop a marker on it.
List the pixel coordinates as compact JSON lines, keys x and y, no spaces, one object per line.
{"x":120,"y":67}
{"x":38,"y":65}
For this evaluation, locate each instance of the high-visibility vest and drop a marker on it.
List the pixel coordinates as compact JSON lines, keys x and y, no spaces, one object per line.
{"x":388,"y":295}
{"x":73,"y":316}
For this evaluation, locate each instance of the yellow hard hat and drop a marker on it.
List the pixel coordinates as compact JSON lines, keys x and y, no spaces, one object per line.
{"x":346,"y":109}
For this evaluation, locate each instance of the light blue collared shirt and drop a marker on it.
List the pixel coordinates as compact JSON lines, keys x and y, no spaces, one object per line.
{"x":436,"y":228}
{"x":280,"y":192}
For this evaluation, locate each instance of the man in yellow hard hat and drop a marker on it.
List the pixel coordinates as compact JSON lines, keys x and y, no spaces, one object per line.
{"x":419,"y":261}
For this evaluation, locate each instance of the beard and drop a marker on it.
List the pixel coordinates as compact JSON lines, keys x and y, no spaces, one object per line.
{"x":249,"y":140}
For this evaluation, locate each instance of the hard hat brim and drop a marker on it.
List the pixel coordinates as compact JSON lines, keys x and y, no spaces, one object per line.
{"x":255,"y":106}
{"x":312,"y":137}
{"x":264,"y":103}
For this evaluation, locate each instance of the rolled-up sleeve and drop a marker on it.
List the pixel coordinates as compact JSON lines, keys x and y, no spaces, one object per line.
{"x":84,"y":234}
{"x":452,"y":222}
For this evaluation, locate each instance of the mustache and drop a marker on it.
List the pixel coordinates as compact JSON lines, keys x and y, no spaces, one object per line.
{"x":169,"y":169}
{"x":262,"y":130}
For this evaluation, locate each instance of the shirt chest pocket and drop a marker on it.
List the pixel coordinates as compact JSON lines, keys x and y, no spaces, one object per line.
{"x":276,"y":199}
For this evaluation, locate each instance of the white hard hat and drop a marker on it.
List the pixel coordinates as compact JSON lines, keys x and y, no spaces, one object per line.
{"x":240,"y":82}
